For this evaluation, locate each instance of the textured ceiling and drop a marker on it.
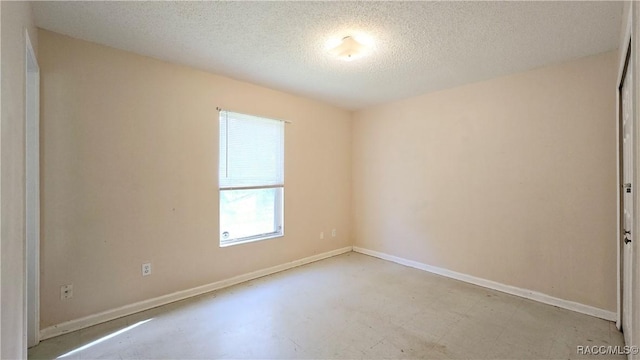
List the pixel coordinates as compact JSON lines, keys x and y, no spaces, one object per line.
{"x":419,"y":46}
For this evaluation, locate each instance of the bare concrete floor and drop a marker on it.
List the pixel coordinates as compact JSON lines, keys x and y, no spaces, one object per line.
{"x":349,"y":306}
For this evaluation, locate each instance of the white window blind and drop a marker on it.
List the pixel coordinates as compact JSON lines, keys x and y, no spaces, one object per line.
{"x":251,"y":151}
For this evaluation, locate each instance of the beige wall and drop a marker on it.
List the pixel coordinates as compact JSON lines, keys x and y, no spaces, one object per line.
{"x":129,"y":175}
{"x":15,"y":18}
{"x":511,"y":180}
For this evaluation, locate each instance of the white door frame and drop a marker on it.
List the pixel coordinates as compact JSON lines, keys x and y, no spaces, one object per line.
{"x":32,"y":194}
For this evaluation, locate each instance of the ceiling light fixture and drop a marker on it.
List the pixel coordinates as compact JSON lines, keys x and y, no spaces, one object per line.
{"x":348,"y":48}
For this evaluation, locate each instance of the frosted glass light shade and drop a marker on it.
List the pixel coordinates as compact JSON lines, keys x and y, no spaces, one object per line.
{"x":348,"y":49}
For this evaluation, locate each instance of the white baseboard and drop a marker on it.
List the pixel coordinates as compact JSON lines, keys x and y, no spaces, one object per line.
{"x":528,"y":294}
{"x":112,"y":314}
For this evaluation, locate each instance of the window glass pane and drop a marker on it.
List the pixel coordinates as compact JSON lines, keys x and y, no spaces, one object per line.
{"x":247,"y":213}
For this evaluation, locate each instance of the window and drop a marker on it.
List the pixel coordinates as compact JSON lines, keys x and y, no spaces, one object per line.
{"x":251,"y":178}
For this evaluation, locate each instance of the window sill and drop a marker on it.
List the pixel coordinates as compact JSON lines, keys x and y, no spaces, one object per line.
{"x":252,"y":239}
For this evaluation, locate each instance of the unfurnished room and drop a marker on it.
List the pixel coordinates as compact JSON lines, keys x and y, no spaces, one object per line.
{"x":319,"y":180}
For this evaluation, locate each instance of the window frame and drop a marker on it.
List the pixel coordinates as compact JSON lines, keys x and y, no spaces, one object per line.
{"x":278,"y":218}
{"x":278,"y":206}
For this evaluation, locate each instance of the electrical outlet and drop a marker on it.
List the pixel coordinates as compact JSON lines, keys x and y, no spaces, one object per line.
{"x":66,"y":292}
{"x":333,"y":233}
{"x":321,"y":235}
{"x":146,"y":269}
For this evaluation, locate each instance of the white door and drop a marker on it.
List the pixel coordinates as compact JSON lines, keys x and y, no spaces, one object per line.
{"x":628,"y":235}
